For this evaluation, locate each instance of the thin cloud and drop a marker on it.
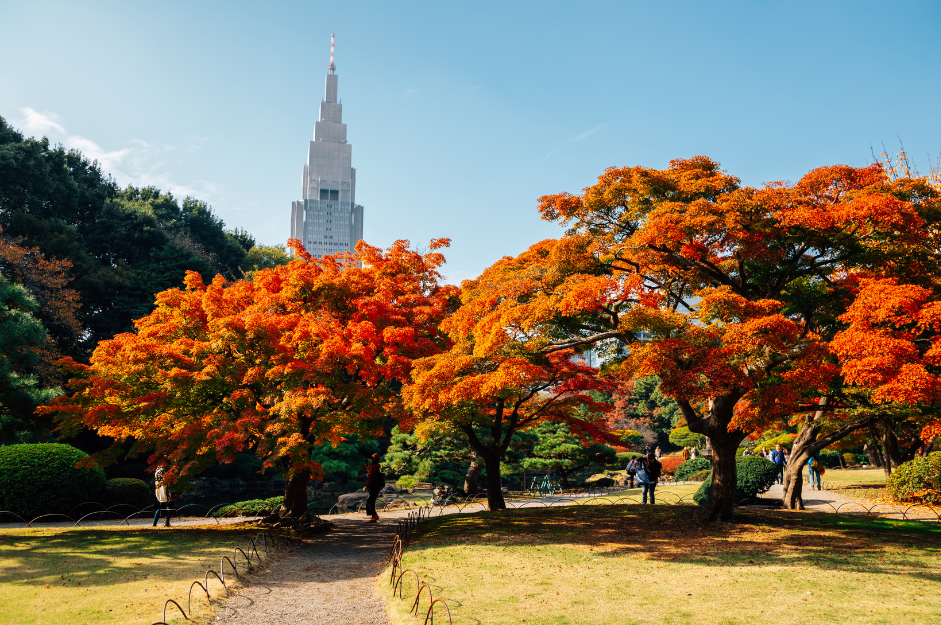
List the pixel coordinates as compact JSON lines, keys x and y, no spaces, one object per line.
{"x":409,"y":93}
{"x":140,"y":164}
{"x":588,"y":133}
{"x":584,"y":135}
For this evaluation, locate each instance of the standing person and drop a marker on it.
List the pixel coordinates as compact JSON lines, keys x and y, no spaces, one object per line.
{"x":685,"y":454}
{"x":375,"y":482}
{"x":692,"y":453}
{"x":160,"y":491}
{"x":658,"y":453}
{"x":777,"y":457}
{"x":813,"y":470}
{"x":631,"y":469}
{"x":648,"y":475}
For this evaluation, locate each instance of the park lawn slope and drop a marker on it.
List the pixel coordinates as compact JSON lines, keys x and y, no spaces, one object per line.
{"x":630,"y":564}
{"x":108,"y":575}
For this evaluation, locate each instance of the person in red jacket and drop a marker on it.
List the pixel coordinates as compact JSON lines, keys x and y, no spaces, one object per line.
{"x":375,"y":482}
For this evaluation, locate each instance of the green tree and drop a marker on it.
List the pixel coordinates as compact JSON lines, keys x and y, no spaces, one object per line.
{"x":560,"y":451}
{"x":20,"y":334}
{"x":346,"y":460}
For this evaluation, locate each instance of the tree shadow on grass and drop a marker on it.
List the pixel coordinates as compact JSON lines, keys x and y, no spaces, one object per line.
{"x":95,"y":557}
{"x":825,"y":541}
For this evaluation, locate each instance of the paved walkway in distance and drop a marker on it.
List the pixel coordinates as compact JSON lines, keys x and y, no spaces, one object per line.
{"x":330,"y":580}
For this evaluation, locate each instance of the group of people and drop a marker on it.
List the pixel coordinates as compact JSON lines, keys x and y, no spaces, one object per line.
{"x":646,"y":470}
{"x":781,"y":456}
{"x":689,"y":453}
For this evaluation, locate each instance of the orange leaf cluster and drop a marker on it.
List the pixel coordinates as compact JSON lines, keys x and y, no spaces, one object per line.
{"x":303,"y":354}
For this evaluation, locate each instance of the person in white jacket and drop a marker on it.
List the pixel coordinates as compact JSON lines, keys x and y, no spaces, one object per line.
{"x":160,"y":490}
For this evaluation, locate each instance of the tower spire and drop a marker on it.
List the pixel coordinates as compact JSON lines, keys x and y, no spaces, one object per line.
{"x":333,"y":67}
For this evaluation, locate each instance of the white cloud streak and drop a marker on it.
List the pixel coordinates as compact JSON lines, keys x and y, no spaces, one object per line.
{"x":140,"y":164}
{"x":584,"y":135}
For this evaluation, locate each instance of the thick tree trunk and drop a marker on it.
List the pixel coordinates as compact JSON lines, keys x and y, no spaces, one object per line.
{"x":724,"y":477}
{"x":295,"y":496}
{"x":801,"y":451}
{"x":470,"y":479}
{"x":805,"y":447}
{"x":494,"y":483}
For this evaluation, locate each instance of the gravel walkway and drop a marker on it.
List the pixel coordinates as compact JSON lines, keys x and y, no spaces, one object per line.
{"x":330,"y":580}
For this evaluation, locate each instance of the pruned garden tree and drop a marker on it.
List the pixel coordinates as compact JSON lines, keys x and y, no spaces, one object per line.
{"x":557,"y":450}
{"x":302,"y":355}
{"x":497,"y":378}
{"x":734,"y":290}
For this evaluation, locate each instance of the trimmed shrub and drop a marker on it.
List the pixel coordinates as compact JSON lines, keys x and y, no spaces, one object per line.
{"x":849,"y":459}
{"x":699,"y":476}
{"x":670,"y":464}
{"x":408,"y":482}
{"x":603,"y":482}
{"x":682,"y":437}
{"x":829,"y":459}
{"x":252,"y":507}
{"x":786,"y":440}
{"x":129,"y":491}
{"x":917,"y":480}
{"x":754,"y":475}
{"x":41,"y":479}
{"x":691,"y":466}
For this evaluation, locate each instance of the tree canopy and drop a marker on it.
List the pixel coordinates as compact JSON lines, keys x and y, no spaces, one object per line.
{"x":304,"y":354}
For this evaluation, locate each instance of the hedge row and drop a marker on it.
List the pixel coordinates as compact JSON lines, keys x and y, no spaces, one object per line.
{"x":754,"y":475}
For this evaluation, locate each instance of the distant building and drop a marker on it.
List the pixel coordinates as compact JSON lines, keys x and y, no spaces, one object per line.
{"x":327,"y":219}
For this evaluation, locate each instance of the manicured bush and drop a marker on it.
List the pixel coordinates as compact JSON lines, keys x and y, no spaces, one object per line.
{"x":849,"y":459}
{"x":252,"y":507}
{"x":699,"y":476}
{"x":670,"y":464}
{"x":682,"y":437}
{"x":917,"y":480}
{"x":786,"y":439}
{"x":603,"y":482}
{"x":754,"y":475}
{"x":41,"y":479}
{"x":407,"y":482}
{"x":691,"y":466}
{"x":129,"y":491}
{"x":829,"y":458}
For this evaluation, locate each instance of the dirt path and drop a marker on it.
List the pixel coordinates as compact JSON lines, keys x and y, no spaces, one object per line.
{"x":328,"y":581}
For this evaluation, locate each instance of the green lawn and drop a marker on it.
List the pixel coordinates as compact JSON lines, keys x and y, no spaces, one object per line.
{"x":108,"y":575}
{"x":626,"y":564}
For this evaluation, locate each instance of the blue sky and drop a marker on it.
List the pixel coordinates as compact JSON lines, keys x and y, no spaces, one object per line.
{"x":462,"y":114}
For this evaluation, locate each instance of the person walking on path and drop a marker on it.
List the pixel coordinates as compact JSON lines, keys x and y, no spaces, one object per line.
{"x":160,"y":491}
{"x":631,"y":469}
{"x":648,"y":475}
{"x":813,"y":471}
{"x":685,"y":454}
{"x":658,"y":453}
{"x":777,"y":457}
{"x":375,"y":482}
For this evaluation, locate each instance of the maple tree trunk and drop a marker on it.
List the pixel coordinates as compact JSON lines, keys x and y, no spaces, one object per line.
{"x":295,"y":495}
{"x":724,"y":478}
{"x":494,"y":483}
{"x":470,"y":479}
{"x":801,"y":451}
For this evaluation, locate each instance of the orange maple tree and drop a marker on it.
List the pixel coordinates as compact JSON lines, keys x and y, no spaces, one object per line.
{"x":730,"y":294}
{"x":496,"y":379}
{"x":892,"y":346}
{"x":303,"y":354}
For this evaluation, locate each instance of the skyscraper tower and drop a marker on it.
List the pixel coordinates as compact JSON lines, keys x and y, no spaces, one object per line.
{"x":327,"y":219}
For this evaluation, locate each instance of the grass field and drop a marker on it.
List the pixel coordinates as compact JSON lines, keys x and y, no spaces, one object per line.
{"x":108,"y":575}
{"x":630,"y":564}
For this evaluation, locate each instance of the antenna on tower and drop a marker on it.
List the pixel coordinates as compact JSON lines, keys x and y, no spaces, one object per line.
{"x":332,"y":44}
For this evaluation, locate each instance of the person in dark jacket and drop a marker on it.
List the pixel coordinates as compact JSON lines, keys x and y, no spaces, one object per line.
{"x":648,"y":476}
{"x":374,"y":484}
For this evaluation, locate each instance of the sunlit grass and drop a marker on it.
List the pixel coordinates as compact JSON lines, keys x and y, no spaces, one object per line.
{"x":108,"y":575}
{"x":603,"y":564}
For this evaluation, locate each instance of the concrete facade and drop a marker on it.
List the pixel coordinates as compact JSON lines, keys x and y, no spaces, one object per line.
{"x":327,"y":219}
